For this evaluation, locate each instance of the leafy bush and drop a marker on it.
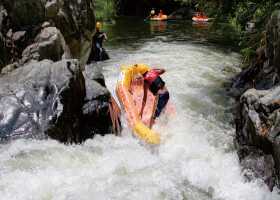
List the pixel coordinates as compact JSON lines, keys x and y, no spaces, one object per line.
{"x":247,"y":53}
{"x":104,"y":10}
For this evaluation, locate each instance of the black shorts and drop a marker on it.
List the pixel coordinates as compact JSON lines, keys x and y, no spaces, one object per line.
{"x":157,"y":85}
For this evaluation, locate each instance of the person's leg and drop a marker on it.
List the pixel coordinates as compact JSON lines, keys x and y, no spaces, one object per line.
{"x":162,"y":101}
{"x":100,"y":53}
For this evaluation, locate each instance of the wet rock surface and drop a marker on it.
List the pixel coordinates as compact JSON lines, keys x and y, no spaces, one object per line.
{"x":258,"y":128}
{"x":21,"y":21}
{"x":43,"y":91}
{"x":97,"y":99}
{"x":258,"y":113}
{"x":258,"y":165}
{"x":264,"y":70}
{"x":53,"y":99}
{"x":49,"y":44}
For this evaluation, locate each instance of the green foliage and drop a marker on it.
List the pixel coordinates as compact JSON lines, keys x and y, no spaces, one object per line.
{"x":104,"y":10}
{"x":247,"y":53}
{"x":186,"y":2}
{"x":233,"y":22}
{"x":237,"y":13}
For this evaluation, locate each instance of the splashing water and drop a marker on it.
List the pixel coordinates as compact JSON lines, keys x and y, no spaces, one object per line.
{"x":196,"y":159}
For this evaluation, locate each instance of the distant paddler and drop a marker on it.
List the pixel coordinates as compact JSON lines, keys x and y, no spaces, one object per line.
{"x":160,"y":17}
{"x":200,"y":17}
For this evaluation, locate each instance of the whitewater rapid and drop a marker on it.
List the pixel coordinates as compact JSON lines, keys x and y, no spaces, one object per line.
{"x":196,"y":160}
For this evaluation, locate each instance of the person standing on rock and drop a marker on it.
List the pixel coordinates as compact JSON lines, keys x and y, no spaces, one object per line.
{"x":98,"y":53}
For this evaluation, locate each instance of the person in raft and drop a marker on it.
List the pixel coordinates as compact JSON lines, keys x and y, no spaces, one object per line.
{"x":156,"y":85}
{"x":152,"y":13}
{"x":160,"y":14}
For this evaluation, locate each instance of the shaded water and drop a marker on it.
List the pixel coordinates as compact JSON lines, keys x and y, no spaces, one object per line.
{"x":196,"y":160}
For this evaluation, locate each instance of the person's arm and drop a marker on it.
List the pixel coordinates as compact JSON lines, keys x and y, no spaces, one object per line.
{"x":105,"y":36}
{"x":144,"y":98}
{"x":160,"y":71}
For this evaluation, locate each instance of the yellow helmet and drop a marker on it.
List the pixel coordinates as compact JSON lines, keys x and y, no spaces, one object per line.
{"x":98,"y":25}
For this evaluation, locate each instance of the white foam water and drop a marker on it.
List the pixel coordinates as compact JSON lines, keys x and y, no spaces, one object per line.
{"x":196,"y":160}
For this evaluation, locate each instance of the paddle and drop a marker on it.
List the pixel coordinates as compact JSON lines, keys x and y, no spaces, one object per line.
{"x":147,"y":18}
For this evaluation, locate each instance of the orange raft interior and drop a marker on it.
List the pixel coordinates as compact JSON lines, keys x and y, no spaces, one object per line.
{"x":130,"y":94}
{"x":162,"y":18}
{"x":200,"y":17}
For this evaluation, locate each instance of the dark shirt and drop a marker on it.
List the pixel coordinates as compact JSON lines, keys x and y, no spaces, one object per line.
{"x":99,"y":38}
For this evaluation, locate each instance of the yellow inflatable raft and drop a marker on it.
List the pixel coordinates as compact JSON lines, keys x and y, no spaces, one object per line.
{"x":129,"y":90}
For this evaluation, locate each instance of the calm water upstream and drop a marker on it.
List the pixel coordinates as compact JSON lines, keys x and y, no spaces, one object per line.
{"x":196,"y":160}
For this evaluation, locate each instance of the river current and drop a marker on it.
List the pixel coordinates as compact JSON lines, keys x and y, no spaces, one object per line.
{"x":196,"y":160}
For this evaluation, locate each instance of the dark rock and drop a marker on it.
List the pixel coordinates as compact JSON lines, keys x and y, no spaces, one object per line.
{"x":49,"y":44}
{"x":36,"y":99}
{"x":9,"y":68}
{"x":51,"y":8}
{"x":94,"y":72}
{"x":258,"y":114}
{"x":75,"y":19}
{"x":45,"y":97}
{"x":99,"y":99}
{"x":258,"y":127}
{"x":25,"y":12}
{"x":264,"y":70}
{"x":19,"y":35}
{"x":3,"y":53}
{"x":96,"y":102}
{"x":54,"y":99}
{"x":273,"y":41}
{"x":258,"y":165}
{"x":3,"y":14}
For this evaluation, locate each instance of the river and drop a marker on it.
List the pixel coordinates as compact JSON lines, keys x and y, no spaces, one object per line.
{"x":196,"y":160}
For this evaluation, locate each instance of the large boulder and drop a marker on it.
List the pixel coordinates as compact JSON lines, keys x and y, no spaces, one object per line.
{"x":3,"y":53}
{"x":97,"y":99}
{"x":49,"y":44}
{"x":25,"y":12}
{"x":75,"y":19}
{"x":259,"y":165}
{"x":258,"y":127}
{"x":52,"y":99}
{"x":258,"y":113}
{"x":3,"y":13}
{"x":264,"y":70}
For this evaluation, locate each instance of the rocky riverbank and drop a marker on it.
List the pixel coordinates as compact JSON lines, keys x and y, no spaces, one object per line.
{"x":257,"y":90}
{"x":46,"y":89}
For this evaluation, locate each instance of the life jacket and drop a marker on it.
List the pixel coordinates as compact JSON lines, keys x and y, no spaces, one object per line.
{"x":98,"y":38}
{"x":150,"y":76}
